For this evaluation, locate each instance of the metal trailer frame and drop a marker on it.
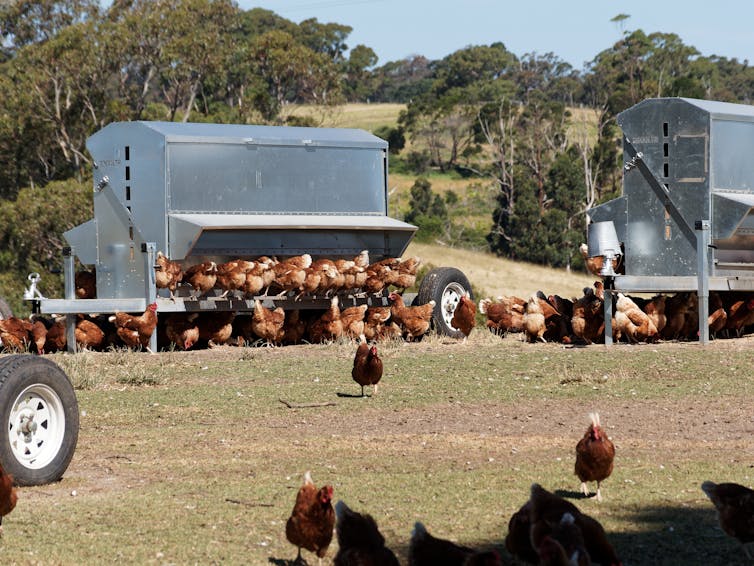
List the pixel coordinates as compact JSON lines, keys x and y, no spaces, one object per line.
{"x":200,"y":192}
{"x":686,"y":216}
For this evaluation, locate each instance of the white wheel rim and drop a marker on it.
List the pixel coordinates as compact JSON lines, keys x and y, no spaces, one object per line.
{"x":451,"y":296}
{"x":36,"y":426}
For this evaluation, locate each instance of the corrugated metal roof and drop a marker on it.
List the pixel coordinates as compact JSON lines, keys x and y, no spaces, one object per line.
{"x":241,"y":133}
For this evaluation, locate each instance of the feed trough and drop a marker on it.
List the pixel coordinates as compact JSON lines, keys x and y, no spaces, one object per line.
{"x":685,"y":217}
{"x":219,"y":192}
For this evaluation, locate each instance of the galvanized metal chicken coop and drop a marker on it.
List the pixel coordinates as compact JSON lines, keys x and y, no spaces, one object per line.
{"x":201,"y":192}
{"x":685,"y":220}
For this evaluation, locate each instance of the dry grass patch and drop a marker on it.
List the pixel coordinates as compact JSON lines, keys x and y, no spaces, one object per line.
{"x":498,"y":276}
{"x":364,"y":116}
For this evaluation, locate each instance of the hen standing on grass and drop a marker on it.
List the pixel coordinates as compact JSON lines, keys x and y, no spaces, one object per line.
{"x":310,"y":525}
{"x":360,"y":541}
{"x":8,"y":496}
{"x":534,"y":320}
{"x":464,"y":317}
{"x":427,"y":550}
{"x":581,"y":536}
{"x":415,"y":321}
{"x":594,"y":456}
{"x":735,"y":509}
{"x":367,"y":366}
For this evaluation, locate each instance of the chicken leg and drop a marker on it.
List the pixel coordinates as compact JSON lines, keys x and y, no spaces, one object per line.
{"x":585,"y":489}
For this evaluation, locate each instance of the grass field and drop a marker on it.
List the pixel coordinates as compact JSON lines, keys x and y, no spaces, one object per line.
{"x":201,"y":466}
{"x":365,"y":116}
{"x":493,"y":276}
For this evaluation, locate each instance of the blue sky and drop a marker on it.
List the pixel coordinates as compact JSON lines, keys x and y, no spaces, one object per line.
{"x":575,"y":31}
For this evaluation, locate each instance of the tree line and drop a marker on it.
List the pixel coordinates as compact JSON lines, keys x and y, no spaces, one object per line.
{"x":71,"y":67}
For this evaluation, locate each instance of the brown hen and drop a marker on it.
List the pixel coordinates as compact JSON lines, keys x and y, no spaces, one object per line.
{"x":310,"y":525}
{"x":352,"y":319}
{"x":329,"y":326}
{"x":415,"y":320}
{"x":464,"y":316}
{"x":294,"y":328}
{"x":136,"y":331}
{"x":88,"y":333}
{"x":290,"y":273}
{"x":595,"y":453}
{"x":267,"y":323}
{"x":518,"y":539}
{"x":8,"y":495}
{"x":86,"y":284}
{"x":735,"y":510}
{"x":631,"y":321}
{"x":427,"y":550}
{"x":534,"y":320}
{"x":588,"y":321}
{"x":367,"y":366}
{"x":215,"y":328}
{"x":359,"y":540}
{"x":375,"y":320}
{"x":182,"y":330}
{"x":506,"y":314}
{"x":202,"y":277}
{"x":15,"y":334}
{"x":548,"y":517}
{"x":167,"y":274}
{"x":39,"y":335}
{"x":231,"y":276}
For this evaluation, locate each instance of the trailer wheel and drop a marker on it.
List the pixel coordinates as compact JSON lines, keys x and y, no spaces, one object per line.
{"x":5,"y":311}
{"x":446,"y":285}
{"x":39,"y":415}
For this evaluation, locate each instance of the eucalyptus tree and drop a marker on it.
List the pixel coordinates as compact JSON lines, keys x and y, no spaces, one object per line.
{"x":26,"y":22}
{"x":292,"y":72}
{"x":198,"y":48}
{"x":402,"y":80}
{"x":66,"y":78}
{"x":329,"y":39}
{"x":358,"y":83}
{"x":444,"y":117}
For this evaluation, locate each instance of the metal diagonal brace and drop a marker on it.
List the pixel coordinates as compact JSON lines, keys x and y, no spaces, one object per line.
{"x":662,"y":192}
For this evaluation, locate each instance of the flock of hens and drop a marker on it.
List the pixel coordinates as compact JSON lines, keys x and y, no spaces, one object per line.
{"x":635,"y":319}
{"x":547,"y":529}
{"x":264,"y":277}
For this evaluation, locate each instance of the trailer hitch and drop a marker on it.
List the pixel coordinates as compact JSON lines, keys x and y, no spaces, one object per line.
{"x":31,"y":293}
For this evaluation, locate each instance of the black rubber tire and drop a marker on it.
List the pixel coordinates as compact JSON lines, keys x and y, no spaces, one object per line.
{"x":444,"y":285}
{"x":50,"y":447}
{"x":5,"y":310}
